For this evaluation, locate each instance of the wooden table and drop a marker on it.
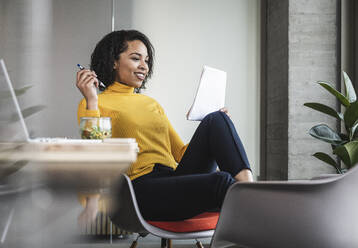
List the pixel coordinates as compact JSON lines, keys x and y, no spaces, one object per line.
{"x":85,"y":165}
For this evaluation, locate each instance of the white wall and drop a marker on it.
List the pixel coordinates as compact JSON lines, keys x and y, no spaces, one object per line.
{"x":43,"y":40}
{"x":189,"y":34}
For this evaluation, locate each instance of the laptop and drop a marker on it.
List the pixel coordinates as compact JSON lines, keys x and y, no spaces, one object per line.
{"x":12,"y":124}
{"x":210,"y":95}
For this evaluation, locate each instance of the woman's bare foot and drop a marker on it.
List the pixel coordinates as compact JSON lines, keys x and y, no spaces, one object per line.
{"x":244,"y":175}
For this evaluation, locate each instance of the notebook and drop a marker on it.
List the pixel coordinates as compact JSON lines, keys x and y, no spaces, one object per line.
{"x":210,"y":95}
{"x":12,"y":124}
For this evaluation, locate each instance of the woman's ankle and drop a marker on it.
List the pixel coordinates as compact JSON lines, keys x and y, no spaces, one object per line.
{"x":244,"y":175}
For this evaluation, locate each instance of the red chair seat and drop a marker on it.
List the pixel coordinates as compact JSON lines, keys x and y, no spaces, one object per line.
{"x":201,"y":222}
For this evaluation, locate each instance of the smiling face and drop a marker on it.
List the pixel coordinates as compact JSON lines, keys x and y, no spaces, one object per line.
{"x":132,"y":66}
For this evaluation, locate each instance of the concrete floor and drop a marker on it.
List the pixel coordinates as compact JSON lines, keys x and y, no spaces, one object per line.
{"x":149,"y":241}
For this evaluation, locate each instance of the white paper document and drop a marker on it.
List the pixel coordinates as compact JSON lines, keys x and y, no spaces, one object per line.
{"x":210,"y":95}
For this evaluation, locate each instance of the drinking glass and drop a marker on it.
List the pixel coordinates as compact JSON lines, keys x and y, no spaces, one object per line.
{"x":95,"y":127}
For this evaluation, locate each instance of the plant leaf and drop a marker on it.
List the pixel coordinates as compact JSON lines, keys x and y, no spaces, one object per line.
{"x":12,"y":168}
{"x":32,"y":110}
{"x":327,"y":159}
{"x":325,"y":133}
{"x":344,"y":100}
{"x":23,"y":90}
{"x":348,"y":153}
{"x":12,"y":148}
{"x":350,"y":92}
{"x":18,"y":92}
{"x":324,"y":109}
{"x":351,"y":115}
{"x":27,"y":112}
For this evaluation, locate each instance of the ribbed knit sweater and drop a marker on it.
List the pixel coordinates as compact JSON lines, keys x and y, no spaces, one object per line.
{"x":141,"y":117}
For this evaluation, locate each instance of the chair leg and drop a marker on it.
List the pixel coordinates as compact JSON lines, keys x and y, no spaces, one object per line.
{"x":199,"y":244}
{"x":166,"y":243}
{"x":135,"y":242}
{"x":163,"y":243}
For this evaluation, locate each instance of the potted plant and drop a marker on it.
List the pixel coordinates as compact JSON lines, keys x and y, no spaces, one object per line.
{"x":344,"y":144}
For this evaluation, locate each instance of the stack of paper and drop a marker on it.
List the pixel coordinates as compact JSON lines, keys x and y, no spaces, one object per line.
{"x":210,"y":95}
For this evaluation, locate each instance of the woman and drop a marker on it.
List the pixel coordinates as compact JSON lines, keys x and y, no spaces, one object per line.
{"x":172,"y":181}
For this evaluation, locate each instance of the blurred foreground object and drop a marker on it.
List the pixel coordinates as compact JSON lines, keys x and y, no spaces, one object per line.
{"x":85,"y":166}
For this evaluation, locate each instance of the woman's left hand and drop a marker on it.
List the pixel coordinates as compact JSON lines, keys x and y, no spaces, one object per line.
{"x":225,"y":111}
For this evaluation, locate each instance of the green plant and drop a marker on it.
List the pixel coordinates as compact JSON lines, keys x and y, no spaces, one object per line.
{"x":9,"y":167}
{"x":344,"y":145}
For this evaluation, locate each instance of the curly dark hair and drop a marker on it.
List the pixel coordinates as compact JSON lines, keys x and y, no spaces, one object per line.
{"x":108,"y":50}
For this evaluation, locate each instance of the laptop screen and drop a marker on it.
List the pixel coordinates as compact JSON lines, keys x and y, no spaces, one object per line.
{"x":12,"y":125}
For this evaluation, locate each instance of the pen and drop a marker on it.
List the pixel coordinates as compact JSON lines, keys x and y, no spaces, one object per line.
{"x":101,"y":85}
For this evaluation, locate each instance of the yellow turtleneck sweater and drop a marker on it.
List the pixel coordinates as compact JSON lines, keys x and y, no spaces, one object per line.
{"x":140,"y":117}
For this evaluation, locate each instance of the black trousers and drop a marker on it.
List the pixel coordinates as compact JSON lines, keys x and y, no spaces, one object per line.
{"x":195,"y":186}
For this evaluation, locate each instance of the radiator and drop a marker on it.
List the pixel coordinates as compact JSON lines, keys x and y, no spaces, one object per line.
{"x":103,"y":226}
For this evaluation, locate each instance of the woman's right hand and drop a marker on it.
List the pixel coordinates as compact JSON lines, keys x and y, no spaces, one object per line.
{"x":87,"y":82}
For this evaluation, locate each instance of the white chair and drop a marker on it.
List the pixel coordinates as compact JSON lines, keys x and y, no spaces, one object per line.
{"x":308,"y":213}
{"x":126,"y":215}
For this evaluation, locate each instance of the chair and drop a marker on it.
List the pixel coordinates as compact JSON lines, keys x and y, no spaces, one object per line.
{"x":8,"y":195}
{"x":307,"y":213}
{"x":127,"y":216}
